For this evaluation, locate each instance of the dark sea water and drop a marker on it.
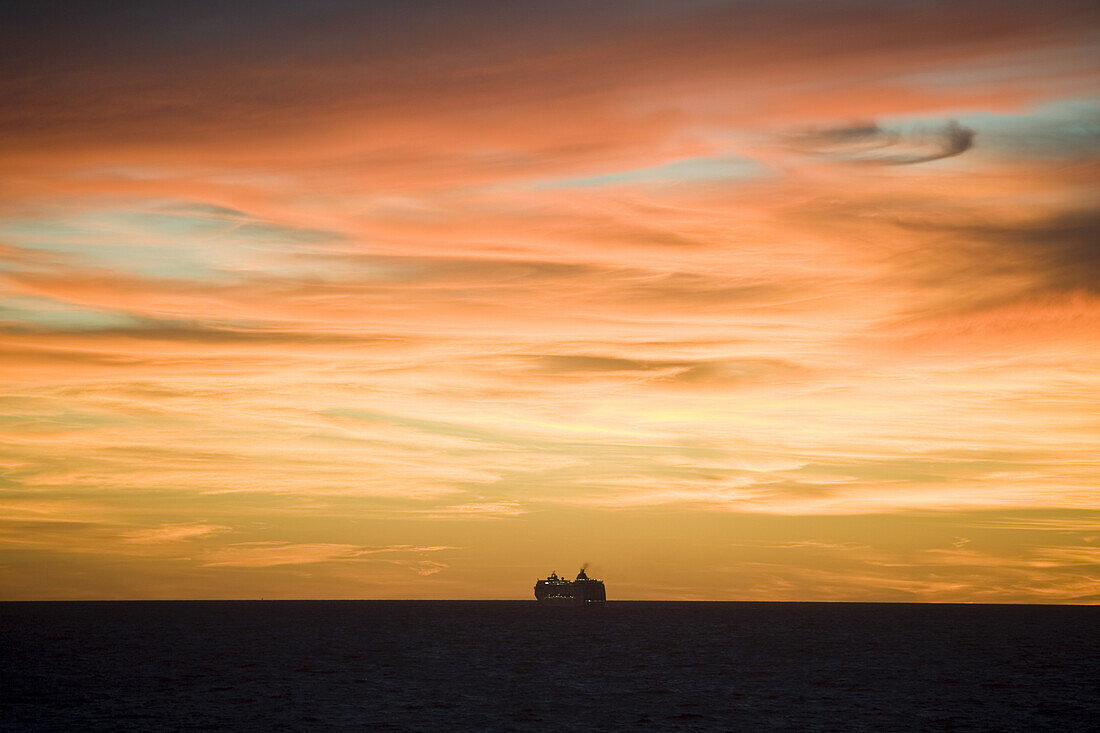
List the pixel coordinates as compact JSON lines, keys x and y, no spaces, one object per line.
{"x":453,"y":665}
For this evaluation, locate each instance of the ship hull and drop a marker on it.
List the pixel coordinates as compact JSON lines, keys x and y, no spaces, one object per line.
{"x":570,"y":601}
{"x":559,"y":602}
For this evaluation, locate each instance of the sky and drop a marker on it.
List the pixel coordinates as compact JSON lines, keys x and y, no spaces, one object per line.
{"x":778,"y":301}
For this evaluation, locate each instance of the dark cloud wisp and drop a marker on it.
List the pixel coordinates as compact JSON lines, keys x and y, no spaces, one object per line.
{"x":873,"y":144}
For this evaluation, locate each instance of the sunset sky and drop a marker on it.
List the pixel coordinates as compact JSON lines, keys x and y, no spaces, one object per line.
{"x":760,"y":300}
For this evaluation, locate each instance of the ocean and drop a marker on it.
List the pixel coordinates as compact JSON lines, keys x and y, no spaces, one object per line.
{"x":515,"y":666}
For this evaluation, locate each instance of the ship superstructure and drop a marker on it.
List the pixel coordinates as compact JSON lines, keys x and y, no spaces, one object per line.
{"x":557,"y":591}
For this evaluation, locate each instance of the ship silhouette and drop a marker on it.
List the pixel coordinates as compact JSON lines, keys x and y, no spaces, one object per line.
{"x":557,"y":591}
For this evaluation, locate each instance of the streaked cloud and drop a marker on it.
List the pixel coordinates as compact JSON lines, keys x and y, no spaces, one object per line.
{"x":1044,"y":524}
{"x":173,"y":533}
{"x":269,"y":553}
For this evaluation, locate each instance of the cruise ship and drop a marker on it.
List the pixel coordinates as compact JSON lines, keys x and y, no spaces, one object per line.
{"x":557,"y":591}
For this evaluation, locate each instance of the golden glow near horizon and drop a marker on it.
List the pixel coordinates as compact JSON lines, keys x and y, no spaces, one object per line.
{"x":734,"y":301}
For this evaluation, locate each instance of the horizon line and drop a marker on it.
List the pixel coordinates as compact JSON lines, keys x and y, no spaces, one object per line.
{"x":534,"y":602}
